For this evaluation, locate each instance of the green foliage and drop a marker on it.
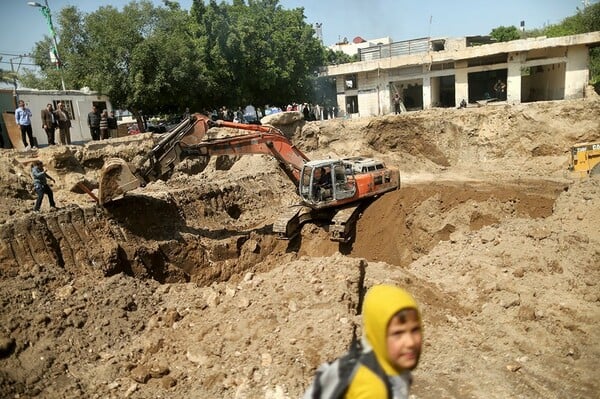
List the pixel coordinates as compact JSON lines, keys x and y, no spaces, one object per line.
{"x":338,"y":57}
{"x":163,"y":59}
{"x":256,"y":52}
{"x":585,"y":20}
{"x":595,"y":66}
{"x":28,"y":78}
{"x":505,"y":33}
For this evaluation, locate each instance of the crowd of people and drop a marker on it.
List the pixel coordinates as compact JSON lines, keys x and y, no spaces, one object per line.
{"x":51,"y":120}
{"x":102,"y":125}
{"x":250,"y":114}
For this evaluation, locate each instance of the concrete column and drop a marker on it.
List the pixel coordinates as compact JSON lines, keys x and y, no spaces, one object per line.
{"x":513,"y":79}
{"x":577,"y":72}
{"x":461,"y":83}
{"x":383,"y":93}
{"x":435,"y":91}
{"x":426,"y":92}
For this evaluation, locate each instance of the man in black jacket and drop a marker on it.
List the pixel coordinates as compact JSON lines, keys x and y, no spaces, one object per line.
{"x":93,"y":121}
{"x":49,"y":123}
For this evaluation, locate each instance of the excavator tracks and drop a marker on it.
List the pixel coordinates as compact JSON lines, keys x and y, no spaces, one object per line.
{"x":342,"y":224}
{"x":288,"y":225}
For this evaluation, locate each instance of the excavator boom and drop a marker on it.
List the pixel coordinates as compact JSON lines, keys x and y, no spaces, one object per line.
{"x":188,"y":139}
{"x":266,"y":140}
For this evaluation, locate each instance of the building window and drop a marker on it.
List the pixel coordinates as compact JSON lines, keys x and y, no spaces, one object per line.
{"x":351,"y":105}
{"x":68,"y":107}
{"x":350,"y":82}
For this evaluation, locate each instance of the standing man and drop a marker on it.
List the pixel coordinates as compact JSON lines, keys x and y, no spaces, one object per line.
{"x":64,"y":124}
{"x":397,"y":103}
{"x":112,"y":125}
{"x":23,"y":119}
{"x":40,"y":183}
{"x":49,"y":123}
{"x":93,"y":121}
{"x":499,"y":89}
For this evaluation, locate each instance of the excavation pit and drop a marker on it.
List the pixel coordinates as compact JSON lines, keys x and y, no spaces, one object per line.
{"x":180,"y":289}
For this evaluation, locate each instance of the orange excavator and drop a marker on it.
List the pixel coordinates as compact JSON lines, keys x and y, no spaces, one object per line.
{"x":329,"y":189}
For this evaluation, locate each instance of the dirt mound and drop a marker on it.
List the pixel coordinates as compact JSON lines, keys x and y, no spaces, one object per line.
{"x":181,"y":289}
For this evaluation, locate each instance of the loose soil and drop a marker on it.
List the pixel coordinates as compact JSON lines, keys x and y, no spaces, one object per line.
{"x":180,"y":289}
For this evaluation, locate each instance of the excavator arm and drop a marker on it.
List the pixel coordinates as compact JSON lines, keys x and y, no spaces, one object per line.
{"x":188,"y":139}
{"x":265,"y":140}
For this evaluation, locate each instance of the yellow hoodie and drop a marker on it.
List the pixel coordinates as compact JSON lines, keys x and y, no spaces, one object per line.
{"x":381,"y":303}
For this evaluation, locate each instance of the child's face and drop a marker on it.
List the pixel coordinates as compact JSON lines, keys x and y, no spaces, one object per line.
{"x":404,"y":341}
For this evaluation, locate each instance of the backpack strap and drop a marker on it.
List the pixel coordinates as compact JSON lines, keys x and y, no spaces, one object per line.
{"x":345,"y":368}
{"x":370,"y":361}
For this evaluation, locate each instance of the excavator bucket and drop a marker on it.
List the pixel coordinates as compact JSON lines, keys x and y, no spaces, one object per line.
{"x":116,"y":179}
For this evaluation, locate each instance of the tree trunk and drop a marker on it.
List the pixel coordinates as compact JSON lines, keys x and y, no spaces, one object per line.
{"x":140,"y":120}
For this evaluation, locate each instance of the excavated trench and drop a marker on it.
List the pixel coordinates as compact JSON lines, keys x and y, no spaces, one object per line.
{"x":213,"y":234}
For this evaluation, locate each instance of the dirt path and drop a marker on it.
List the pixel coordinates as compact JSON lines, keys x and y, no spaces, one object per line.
{"x":182,"y":290}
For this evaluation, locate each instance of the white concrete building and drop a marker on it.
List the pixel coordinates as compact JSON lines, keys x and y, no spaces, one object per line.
{"x":442,"y":72}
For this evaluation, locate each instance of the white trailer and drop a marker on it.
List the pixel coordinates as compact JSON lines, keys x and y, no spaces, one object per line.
{"x":77,"y":102}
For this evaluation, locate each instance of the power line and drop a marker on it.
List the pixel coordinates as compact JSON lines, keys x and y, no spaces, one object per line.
{"x":16,"y":55}
{"x":20,"y":63}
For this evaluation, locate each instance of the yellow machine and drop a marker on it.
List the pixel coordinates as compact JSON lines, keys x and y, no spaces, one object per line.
{"x":585,"y":157}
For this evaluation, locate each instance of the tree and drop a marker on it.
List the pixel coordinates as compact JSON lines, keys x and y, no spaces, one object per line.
{"x":338,"y":57}
{"x":505,"y":33}
{"x":585,"y":20}
{"x":143,"y":57}
{"x":7,"y":76}
{"x":163,"y":59}
{"x":256,"y":52}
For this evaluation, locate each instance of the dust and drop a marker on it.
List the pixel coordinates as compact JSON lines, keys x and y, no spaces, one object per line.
{"x":181,"y":289}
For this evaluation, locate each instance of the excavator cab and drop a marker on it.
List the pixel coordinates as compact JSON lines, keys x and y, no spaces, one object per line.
{"x":322,"y":182}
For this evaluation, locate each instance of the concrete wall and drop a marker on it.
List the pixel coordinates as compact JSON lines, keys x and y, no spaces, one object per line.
{"x":544,"y":82}
{"x":428,"y":91}
{"x":461,"y":82}
{"x":577,"y":73}
{"x":513,"y":78}
{"x":368,"y":93}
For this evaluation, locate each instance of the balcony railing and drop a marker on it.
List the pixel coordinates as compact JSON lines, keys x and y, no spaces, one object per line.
{"x":395,"y":49}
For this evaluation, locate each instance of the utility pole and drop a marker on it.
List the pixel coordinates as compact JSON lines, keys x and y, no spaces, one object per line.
{"x":45,"y":10}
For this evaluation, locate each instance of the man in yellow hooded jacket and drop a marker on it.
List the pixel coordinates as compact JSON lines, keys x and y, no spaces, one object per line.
{"x":391,"y":347}
{"x":392,"y":330}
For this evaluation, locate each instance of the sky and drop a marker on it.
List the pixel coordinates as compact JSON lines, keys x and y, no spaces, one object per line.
{"x":21,"y":26}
